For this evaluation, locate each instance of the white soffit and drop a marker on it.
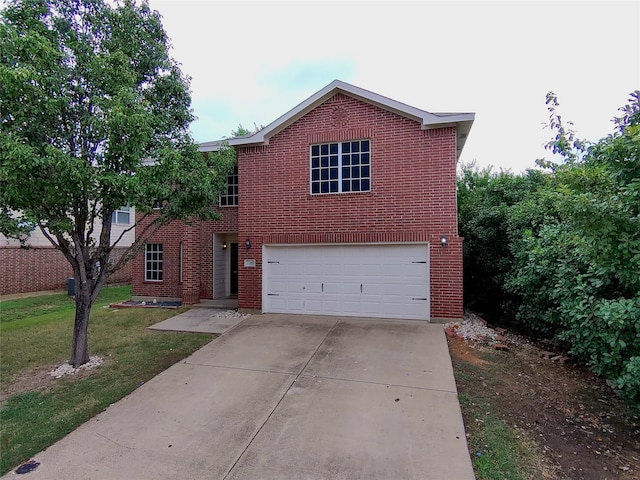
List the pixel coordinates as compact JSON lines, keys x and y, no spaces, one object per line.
{"x":428,"y":120}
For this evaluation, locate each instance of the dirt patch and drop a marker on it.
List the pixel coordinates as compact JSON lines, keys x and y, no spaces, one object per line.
{"x":578,"y":423}
{"x":467,"y":352}
{"x":38,"y":379}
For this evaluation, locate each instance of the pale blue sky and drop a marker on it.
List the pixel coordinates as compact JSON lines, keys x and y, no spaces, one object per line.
{"x":253,"y":61}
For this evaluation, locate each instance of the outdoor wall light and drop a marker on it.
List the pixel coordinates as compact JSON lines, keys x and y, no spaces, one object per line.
{"x":443,"y":241}
{"x":247,"y":243}
{"x":224,"y":246}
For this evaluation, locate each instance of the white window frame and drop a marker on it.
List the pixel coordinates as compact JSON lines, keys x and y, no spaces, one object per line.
{"x":121,"y":212}
{"x":341,"y":156}
{"x":153,"y":262}
{"x":230,"y":198}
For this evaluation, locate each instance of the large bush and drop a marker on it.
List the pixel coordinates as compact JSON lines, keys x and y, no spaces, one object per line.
{"x":559,"y":252}
{"x":485,"y":199}
{"x":578,"y":277}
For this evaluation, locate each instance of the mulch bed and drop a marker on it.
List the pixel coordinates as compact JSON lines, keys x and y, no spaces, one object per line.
{"x":146,"y":304}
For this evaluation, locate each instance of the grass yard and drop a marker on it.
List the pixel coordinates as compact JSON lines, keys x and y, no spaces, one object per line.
{"x":35,"y":337}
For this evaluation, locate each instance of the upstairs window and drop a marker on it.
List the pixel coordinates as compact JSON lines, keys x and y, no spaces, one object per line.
{"x":341,"y":167}
{"x":230,"y":197}
{"x":122,"y":216}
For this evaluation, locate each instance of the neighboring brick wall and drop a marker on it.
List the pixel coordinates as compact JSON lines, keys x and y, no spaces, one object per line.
{"x":40,"y":268}
{"x":413,"y":194}
{"x":197,"y":241}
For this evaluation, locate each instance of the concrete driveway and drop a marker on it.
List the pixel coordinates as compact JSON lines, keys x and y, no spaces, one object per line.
{"x":284,"y":397}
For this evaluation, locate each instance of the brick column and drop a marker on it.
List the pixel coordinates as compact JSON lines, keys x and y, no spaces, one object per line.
{"x":191,"y":264}
{"x":446,"y":278}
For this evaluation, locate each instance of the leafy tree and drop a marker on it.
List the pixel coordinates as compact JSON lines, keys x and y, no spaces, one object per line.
{"x":242,"y":131}
{"x":94,"y":116}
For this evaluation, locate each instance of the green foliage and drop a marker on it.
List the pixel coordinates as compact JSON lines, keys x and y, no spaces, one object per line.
{"x":578,"y":277}
{"x":94,"y":115}
{"x":485,"y":200}
{"x":242,"y":131}
{"x":566,"y":250}
{"x":88,"y":92}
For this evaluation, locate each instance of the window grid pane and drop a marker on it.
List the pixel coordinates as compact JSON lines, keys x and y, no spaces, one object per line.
{"x":230,"y":197}
{"x":340,"y":167}
{"x":153,"y":262}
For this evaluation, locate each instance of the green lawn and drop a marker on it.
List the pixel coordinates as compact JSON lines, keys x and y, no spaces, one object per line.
{"x":35,"y":334}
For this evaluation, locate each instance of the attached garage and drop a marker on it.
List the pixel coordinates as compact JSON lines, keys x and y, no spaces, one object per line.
{"x":363,"y":280}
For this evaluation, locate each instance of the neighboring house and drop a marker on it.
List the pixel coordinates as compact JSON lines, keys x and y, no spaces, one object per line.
{"x":345,"y":205}
{"x":42,"y":267}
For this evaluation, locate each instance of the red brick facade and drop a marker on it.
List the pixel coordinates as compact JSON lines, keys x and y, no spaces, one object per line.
{"x":197,"y":259}
{"x":42,"y":268}
{"x":412,"y":199}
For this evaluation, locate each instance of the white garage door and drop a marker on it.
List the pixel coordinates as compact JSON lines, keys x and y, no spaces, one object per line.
{"x":384,"y":281}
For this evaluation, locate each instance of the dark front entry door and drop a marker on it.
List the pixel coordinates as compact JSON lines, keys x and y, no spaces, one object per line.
{"x":233,"y":280}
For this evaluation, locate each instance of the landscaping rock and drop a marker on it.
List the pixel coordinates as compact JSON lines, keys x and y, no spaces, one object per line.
{"x":561,"y":359}
{"x":67,"y":369}
{"x":472,"y":327}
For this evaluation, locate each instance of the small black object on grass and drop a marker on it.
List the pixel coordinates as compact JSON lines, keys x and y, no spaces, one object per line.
{"x":27,"y":467}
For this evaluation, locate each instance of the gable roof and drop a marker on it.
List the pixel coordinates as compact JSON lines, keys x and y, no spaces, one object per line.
{"x":428,"y":120}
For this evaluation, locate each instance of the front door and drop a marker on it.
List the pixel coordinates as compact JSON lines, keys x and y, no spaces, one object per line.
{"x":233,"y":279}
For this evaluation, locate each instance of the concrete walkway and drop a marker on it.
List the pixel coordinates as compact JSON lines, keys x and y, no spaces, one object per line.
{"x":284,"y":397}
{"x":201,"y":320}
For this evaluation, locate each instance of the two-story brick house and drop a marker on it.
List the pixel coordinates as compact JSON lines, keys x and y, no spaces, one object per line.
{"x":345,"y":205}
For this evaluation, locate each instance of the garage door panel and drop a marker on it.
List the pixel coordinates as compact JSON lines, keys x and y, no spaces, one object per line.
{"x":278,"y":287}
{"x":313,"y":287}
{"x":314,"y":270}
{"x":355,"y":280}
{"x":313,"y":306}
{"x":372,"y":270}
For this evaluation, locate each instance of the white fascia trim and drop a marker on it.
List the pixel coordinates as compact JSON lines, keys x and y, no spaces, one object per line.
{"x":426,"y":119}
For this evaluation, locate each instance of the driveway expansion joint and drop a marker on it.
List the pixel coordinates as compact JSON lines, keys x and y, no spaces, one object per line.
{"x":352,"y":380}
{"x":280,"y":400}
{"x":258,"y":370}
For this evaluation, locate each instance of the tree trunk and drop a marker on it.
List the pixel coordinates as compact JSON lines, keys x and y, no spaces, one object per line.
{"x":80,"y":344}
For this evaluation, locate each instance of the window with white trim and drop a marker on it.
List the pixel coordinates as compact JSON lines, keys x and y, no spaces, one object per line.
{"x":121,"y":216}
{"x":341,"y":167}
{"x":230,"y":197}
{"x":153,"y":262}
